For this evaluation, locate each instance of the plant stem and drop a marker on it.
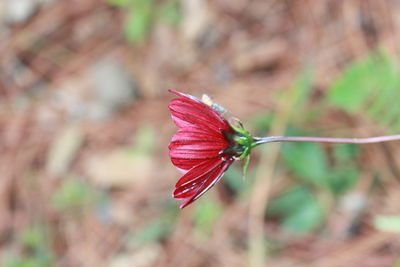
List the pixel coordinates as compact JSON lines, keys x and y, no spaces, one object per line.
{"x":368,"y":140}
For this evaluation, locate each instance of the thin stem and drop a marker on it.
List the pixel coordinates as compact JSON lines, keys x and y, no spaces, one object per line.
{"x":368,"y":140}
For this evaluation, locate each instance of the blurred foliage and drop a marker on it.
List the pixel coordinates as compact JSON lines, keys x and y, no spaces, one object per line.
{"x":300,"y":210}
{"x":388,"y":223}
{"x":207,"y":213}
{"x":236,"y":182}
{"x":370,"y":87}
{"x":314,"y":168}
{"x":73,"y":194}
{"x":144,"y":141}
{"x":34,"y":242}
{"x":151,"y":232}
{"x":143,"y":14}
{"x":155,"y":230}
{"x":308,"y":161}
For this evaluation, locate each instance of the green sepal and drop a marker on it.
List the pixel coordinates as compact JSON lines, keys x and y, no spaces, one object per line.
{"x":245,"y":164}
{"x":245,"y":140}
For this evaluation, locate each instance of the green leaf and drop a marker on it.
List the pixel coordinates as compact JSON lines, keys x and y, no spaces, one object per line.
{"x":261,"y":123}
{"x":300,"y":211}
{"x":370,"y":87}
{"x":308,"y":161}
{"x":397,"y":263}
{"x":345,"y":153}
{"x":72,"y":193}
{"x":288,"y":202}
{"x":342,"y":180}
{"x":207,"y":213}
{"x":351,"y":90}
{"x":170,"y":11}
{"x":306,"y":219}
{"x":119,"y":3}
{"x":345,"y":172}
{"x":387,"y":223}
{"x":150,"y":233}
{"x":138,"y":22}
{"x":234,"y":178}
{"x":37,"y":253}
{"x":33,"y":237}
{"x":144,"y":141}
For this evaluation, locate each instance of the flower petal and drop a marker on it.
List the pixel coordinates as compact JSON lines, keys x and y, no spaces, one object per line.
{"x":197,"y":145}
{"x":189,"y":117}
{"x":188,"y":149}
{"x":186,"y":164}
{"x":194,"y":133}
{"x":198,"y":171}
{"x":196,"y":182}
{"x":189,"y":111}
{"x":201,"y":110}
{"x":178,"y":154}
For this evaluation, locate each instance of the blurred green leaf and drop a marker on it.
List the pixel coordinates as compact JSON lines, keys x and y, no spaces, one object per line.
{"x":288,"y":202}
{"x":261,"y":123}
{"x":26,"y":261}
{"x":170,"y":11}
{"x":151,"y":232}
{"x":37,"y":253}
{"x":144,"y":141}
{"x":72,"y":193}
{"x":345,"y":173}
{"x":304,"y":86}
{"x":207,"y":212}
{"x":157,"y":229}
{"x":370,"y":86}
{"x":342,"y":180}
{"x":345,"y":153}
{"x":397,"y":263}
{"x":33,"y":237}
{"x":308,"y":161}
{"x":119,"y":3}
{"x":306,"y":219}
{"x":387,"y":223}
{"x":234,"y":178}
{"x":351,"y":90}
{"x":299,"y":210}
{"x":138,"y":21}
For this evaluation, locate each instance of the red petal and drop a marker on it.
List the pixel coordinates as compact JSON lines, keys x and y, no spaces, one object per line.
{"x":186,"y":164}
{"x":197,"y":182}
{"x":194,"y":133}
{"x":200,"y":109}
{"x":190,"y":147}
{"x":194,"y":154}
{"x":197,"y":145}
{"x":188,"y":117}
{"x":198,"y":171}
{"x":189,"y":111}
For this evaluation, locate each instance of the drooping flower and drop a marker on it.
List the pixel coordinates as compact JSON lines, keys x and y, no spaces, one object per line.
{"x":204,"y":146}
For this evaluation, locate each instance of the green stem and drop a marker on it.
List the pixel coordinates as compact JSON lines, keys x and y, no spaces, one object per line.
{"x":368,"y":140}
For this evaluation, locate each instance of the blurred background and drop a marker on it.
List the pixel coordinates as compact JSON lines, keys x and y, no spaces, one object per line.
{"x":85,"y":177}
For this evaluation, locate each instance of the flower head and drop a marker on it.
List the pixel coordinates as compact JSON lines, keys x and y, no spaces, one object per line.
{"x":204,"y":146}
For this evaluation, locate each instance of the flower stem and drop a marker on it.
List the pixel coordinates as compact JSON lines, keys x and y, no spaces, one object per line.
{"x":368,"y":140}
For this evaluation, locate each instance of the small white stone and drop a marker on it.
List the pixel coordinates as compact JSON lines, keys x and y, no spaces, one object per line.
{"x":353,"y":202}
{"x":18,"y":11}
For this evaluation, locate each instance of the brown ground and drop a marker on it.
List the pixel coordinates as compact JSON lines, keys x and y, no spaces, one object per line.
{"x":243,"y":53}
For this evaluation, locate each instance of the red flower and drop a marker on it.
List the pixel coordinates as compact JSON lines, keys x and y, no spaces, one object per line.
{"x":202,"y":147}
